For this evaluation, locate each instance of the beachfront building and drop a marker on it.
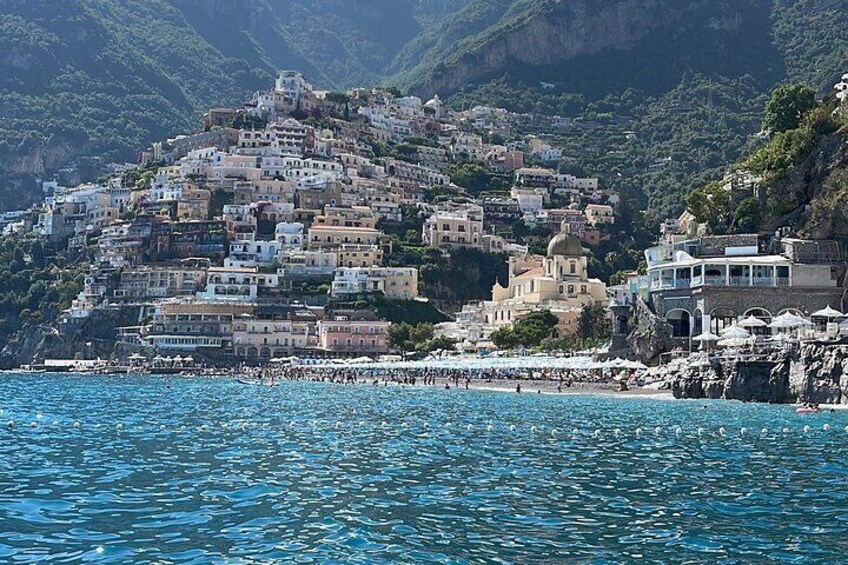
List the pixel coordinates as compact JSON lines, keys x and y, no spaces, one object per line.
{"x":394,"y":282}
{"x":710,"y":282}
{"x":558,"y":282}
{"x":350,"y":337}
{"x":267,"y":339}
{"x":192,"y":325}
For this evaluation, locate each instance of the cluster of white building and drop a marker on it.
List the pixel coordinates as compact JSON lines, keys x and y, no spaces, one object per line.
{"x":223,"y":223}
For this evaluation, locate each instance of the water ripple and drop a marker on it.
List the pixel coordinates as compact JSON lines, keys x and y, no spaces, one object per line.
{"x":213,"y":472}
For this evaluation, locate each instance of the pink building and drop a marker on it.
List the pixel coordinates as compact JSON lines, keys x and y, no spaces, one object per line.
{"x":345,"y":336}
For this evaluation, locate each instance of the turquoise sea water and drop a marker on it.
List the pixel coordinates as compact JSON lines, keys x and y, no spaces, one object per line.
{"x":174,"y":470}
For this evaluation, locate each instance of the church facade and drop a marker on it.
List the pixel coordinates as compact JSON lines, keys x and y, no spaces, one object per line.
{"x":558,"y":282}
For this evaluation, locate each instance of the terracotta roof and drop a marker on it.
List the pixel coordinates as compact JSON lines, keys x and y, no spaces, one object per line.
{"x":535,"y":272}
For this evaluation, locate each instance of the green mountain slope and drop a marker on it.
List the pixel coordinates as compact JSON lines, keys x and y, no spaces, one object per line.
{"x":662,"y":92}
{"x":104,"y":78}
{"x":84,"y":82}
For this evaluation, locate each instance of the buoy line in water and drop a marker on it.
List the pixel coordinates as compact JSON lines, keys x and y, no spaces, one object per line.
{"x":425,"y":427}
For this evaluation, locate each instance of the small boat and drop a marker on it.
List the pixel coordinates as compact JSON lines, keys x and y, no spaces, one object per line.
{"x":254,"y":383}
{"x":807,"y":410}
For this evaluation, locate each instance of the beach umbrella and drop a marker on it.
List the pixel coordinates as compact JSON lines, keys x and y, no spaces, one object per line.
{"x":789,"y":320}
{"x":706,"y":337}
{"x":828,"y":313}
{"x":734,"y":332}
{"x":733,"y":342}
{"x":752,"y":322}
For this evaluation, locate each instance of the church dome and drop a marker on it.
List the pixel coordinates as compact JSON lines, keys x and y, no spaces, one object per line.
{"x":565,"y":244}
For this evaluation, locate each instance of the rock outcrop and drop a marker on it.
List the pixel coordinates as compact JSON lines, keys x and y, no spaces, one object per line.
{"x":88,"y":338}
{"x":817,"y":373}
{"x":651,"y":335}
{"x":820,"y":374}
{"x":553,"y":32}
{"x":748,"y":381}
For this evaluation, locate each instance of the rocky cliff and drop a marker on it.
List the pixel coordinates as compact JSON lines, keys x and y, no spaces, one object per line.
{"x":550,"y":33}
{"x":748,"y":381}
{"x":817,"y":373}
{"x":88,"y":338}
{"x":597,"y":47}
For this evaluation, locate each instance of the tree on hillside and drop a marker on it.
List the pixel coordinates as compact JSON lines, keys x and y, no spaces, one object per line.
{"x":787,"y":105}
{"x":528,"y":331}
{"x":408,"y":337}
{"x":709,"y":204}
{"x":477,"y":178}
{"x":593,"y":323}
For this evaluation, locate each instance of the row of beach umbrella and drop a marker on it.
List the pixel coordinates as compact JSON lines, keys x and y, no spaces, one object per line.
{"x":739,"y":334}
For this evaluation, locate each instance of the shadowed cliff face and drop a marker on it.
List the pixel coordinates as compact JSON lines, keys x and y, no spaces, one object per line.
{"x":614,"y":45}
{"x":561,"y":32}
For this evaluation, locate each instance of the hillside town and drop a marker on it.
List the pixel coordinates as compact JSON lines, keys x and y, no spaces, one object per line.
{"x":304,"y":224}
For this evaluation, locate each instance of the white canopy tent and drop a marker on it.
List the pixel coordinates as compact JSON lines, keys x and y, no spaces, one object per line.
{"x":734,"y":342}
{"x":577,"y":363}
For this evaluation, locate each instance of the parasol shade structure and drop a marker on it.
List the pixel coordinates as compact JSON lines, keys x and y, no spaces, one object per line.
{"x":706,"y":337}
{"x":734,"y":332}
{"x":752,"y":322}
{"x":828,"y":313}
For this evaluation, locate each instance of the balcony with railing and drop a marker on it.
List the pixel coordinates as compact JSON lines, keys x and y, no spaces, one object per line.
{"x":719,"y":280}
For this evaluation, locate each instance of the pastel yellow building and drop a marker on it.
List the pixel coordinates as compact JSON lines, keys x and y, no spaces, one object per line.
{"x":353,"y":255}
{"x":558,"y":282}
{"x":454,"y":229}
{"x":599,"y":214}
{"x":335,"y":236}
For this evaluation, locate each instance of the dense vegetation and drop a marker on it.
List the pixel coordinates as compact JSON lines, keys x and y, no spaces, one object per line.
{"x":800,"y":170}
{"x":36,"y":282}
{"x":89,"y":81}
{"x":86,"y":82}
{"x":537,"y":330}
{"x":529,"y":331}
{"x":418,"y":338}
